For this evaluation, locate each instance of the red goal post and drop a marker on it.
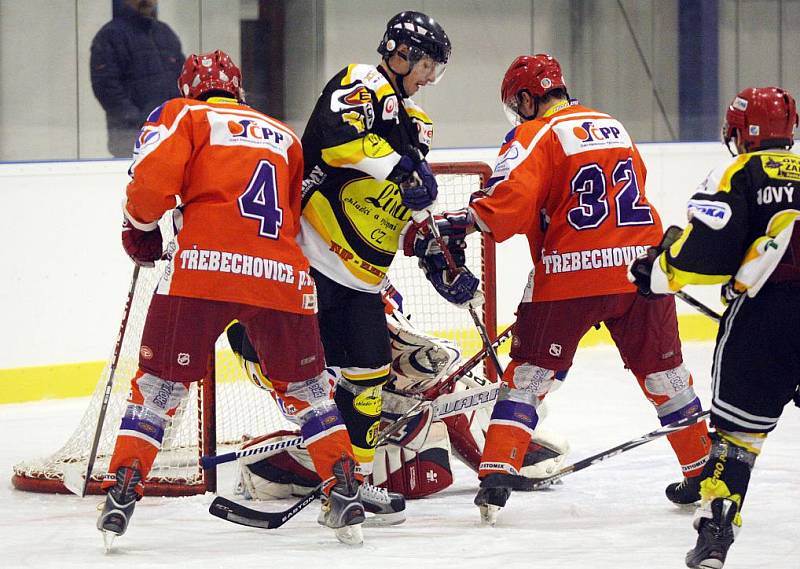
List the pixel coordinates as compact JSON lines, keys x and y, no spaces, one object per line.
{"x":225,"y":406}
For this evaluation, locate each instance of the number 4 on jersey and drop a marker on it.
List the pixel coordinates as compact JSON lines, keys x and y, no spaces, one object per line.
{"x":260,"y":200}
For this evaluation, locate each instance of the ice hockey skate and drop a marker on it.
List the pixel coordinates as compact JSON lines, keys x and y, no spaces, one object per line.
{"x":384,"y":508}
{"x":716,"y":532}
{"x":492,"y":496}
{"x":118,"y":508}
{"x":684,"y":493}
{"x":342,"y":510}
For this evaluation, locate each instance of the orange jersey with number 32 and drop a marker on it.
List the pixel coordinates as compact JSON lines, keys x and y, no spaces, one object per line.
{"x":573,"y":183}
{"x":237,"y":174}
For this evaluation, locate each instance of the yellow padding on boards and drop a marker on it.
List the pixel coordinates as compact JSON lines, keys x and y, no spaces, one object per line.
{"x":49,"y":382}
{"x":79,"y":380}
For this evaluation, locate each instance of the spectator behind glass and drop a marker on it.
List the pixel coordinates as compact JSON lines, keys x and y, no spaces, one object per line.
{"x":135,"y":64}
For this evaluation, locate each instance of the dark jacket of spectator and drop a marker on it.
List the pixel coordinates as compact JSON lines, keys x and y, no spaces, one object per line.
{"x":135,"y":63}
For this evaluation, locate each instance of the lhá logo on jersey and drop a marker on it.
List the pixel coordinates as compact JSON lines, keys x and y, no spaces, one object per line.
{"x":589,"y":132}
{"x":246,"y":128}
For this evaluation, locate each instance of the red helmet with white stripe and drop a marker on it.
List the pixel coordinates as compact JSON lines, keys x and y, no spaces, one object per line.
{"x":206,"y":72}
{"x":761,"y":117}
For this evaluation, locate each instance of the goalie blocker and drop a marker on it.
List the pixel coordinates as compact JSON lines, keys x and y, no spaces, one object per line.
{"x":416,"y":460}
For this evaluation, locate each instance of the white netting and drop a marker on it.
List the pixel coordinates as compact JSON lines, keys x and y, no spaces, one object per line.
{"x":240,"y":407}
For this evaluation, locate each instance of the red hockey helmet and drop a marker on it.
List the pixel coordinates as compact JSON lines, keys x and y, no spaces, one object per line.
{"x":761,"y":117}
{"x":537,"y":74}
{"x":206,"y":72}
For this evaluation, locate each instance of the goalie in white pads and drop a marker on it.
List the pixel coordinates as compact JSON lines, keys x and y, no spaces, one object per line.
{"x":414,"y":461}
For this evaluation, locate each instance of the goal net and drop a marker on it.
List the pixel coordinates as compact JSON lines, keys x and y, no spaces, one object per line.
{"x":225,"y":407}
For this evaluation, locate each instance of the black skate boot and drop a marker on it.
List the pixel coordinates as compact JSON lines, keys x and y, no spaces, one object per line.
{"x":492,"y":496}
{"x":118,"y":508}
{"x":685,"y":492}
{"x":387,"y":508}
{"x":715,"y":536}
{"x":342,"y":510}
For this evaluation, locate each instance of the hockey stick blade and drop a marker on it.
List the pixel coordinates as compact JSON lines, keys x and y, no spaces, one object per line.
{"x":527,"y":484}
{"x":231,"y":511}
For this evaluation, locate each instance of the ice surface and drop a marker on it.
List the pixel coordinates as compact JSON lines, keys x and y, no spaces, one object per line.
{"x":611,"y":515}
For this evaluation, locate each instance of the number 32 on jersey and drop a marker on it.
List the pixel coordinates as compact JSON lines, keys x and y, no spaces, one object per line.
{"x":591,"y":184}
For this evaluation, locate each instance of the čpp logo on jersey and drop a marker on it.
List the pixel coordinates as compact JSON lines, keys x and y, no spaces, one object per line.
{"x":231,"y":129}
{"x":584,"y":135}
{"x":588,"y":131}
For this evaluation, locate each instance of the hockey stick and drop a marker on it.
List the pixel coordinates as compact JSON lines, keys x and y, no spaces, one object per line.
{"x":442,"y":407}
{"x":699,"y":306}
{"x":451,"y":269}
{"x":234,"y":512}
{"x":79,"y":486}
{"x":523,"y":483}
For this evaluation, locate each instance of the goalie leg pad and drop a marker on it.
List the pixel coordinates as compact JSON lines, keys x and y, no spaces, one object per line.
{"x":415,"y":432}
{"x":152,"y":404}
{"x":546,"y":454}
{"x":673,"y":396}
{"x":415,"y":474}
{"x":287,"y":473}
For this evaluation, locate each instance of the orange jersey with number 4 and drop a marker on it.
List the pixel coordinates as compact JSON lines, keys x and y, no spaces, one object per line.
{"x":237,"y":174}
{"x":573,"y":183}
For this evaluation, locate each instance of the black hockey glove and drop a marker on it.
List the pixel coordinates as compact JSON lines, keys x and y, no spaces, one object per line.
{"x":416,"y":181}
{"x":458,"y":287}
{"x":641,"y":269}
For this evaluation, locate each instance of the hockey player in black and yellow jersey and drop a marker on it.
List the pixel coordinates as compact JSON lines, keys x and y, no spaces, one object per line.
{"x":741,"y":235}
{"x":365,"y":140}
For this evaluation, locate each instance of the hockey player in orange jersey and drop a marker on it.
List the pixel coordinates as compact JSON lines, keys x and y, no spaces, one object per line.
{"x":571,"y":180}
{"x":237,"y":175}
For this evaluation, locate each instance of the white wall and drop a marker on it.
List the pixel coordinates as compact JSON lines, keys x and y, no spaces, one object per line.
{"x":65,"y":276}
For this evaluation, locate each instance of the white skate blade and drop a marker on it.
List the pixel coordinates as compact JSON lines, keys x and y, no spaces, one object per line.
{"x":383,"y":520}
{"x":489,"y":514}
{"x":108,"y":540}
{"x":350,"y":535}
{"x":74,"y":475}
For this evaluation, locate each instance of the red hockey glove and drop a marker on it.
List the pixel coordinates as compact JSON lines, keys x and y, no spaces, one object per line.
{"x":143,"y":247}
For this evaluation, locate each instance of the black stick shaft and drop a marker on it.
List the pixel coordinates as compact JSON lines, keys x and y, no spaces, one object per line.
{"x":110,"y":383}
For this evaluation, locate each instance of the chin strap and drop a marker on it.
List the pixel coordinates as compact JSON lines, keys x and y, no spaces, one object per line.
{"x":401,"y":88}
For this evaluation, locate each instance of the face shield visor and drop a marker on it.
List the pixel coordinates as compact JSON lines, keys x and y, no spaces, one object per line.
{"x":510,"y":108}
{"x":424,"y":65}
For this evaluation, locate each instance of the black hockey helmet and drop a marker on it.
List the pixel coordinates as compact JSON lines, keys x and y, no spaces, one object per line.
{"x":417,"y":31}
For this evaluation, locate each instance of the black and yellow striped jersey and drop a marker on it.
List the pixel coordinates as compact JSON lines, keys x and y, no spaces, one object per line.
{"x":352,"y":216}
{"x":742,"y":214}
